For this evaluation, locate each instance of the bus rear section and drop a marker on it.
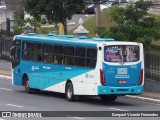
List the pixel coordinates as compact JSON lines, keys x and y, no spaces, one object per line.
{"x":122,"y":71}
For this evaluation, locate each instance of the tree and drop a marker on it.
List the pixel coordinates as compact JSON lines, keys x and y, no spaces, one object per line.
{"x":134,"y":24}
{"x":55,"y":10}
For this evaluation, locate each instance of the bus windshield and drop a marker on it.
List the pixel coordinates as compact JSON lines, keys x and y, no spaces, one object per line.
{"x":121,"y":53}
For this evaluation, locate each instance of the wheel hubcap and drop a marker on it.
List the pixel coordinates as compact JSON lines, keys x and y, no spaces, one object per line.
{"x":69,"y":93}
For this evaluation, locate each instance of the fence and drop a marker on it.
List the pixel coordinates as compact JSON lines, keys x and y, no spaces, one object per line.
{"x":6,"y":37}
{"x":152,"y":63}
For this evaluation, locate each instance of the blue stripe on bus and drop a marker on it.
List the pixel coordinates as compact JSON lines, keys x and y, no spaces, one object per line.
{"x":107,"y":90}
{"x":42,"y":76}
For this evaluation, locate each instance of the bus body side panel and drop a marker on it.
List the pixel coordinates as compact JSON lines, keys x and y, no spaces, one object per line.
{"x":17,"y":76}
{"x":43,"y":76}
{"x":83,"y":84}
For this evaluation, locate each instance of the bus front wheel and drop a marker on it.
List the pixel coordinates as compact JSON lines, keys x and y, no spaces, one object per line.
{"x":27,"y":87}
{"x":69,"y":92}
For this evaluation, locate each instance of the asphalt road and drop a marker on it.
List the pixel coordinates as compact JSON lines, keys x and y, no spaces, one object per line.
{"x":13,"y":98}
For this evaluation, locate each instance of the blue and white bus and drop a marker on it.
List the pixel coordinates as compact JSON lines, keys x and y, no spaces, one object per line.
{"x":77,"y":66}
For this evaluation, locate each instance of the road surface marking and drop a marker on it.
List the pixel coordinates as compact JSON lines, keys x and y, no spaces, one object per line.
{"x":144,"y":98}
{"x":14,"y":105}
{"x":118,"y":109}
{"x":6,"y":89}
{"x":80,"y":118}
{"x":2,"y":119}
{"x":4,"y":76}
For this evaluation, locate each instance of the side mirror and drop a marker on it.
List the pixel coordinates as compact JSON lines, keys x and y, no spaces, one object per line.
{"x":12,"y":52}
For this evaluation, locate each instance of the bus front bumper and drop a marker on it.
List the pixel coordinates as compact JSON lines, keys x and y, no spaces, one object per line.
{"x":132,"y":90}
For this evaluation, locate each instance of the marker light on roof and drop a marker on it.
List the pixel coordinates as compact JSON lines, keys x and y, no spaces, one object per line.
{"x":103,"y":39}
{"x":82,"y":37}
{"x":51,"y":34}
{"x":31,"y":34}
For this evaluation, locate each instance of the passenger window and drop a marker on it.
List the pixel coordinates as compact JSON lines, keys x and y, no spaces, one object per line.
{"x":58,"y":49}
{"x":91,"y":57}
{"x":80,"y":51}
{"x":37,"y":52}
{"x":48,"y":53}
{"x":27,"y":50}
{"x":37,"y":47}
{"x":80,"y":57}
{"x":91,"y":52}
{"x":69,"y":50}
{"x":58,"y":54}
{"x":47,"y":48}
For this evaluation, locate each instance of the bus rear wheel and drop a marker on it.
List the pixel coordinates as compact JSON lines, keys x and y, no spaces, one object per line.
{"x":108,"y":98}
{"x":69,"y":92}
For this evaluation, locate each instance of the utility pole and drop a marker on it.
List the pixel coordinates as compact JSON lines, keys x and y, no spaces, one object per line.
{"x":98,"y":14}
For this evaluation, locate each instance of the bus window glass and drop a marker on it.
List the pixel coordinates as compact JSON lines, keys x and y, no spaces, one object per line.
{"x":47,"y":58}
{"x":47,"y":48}
{"x":91,"y":57}
{"x":58,"y":49}
{"x":27,"y":46}
{"x":58,"y":59}
{"x":80,"y":62}
{"x":37,"y":47}
{"x":80,"y":59}
{"x":37,"y":52}
{"x":80,"y":51}
{"x":121,"y":53}
{"x":68,"y":60}
{"x":27,"y":50}
{"x":91,"y":52}
{"x":26,"y":55}
{"x":69,"y":50}
{"x":37,"y":56}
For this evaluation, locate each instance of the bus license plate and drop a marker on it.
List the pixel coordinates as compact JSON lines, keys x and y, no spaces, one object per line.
{"x":122,"y":81}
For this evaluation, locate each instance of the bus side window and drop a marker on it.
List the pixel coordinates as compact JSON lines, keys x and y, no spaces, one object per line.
{"x":80,"y":56}
{"x":69,"y":52}
{"x":48,"y":53}
{"x":91,"y":57}
{"x":27,"y":50}
{"x":37,"y":52}
{"x":58,"y":54}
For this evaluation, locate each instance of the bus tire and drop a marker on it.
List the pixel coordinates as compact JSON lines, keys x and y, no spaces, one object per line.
{"x":27,"y":87}
{"x":69,"y":92}
{"x":108,"y":98}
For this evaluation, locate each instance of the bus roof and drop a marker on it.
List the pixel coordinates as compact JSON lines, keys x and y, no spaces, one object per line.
{"x":63,"y":39}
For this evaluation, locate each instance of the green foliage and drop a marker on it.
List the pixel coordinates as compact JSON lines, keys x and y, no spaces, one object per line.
{"x":55,"y":10}
{"x":17,"y":29}
{"x":133,"y":24}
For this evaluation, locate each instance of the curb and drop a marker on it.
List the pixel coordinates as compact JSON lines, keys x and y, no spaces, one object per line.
{"x":5,"y":72}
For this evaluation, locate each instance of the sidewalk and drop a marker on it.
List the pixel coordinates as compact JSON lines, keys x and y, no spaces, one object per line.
{"x":146,"y":94}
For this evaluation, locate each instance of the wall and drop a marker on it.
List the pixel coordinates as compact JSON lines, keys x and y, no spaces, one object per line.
{"x":6,"y":14}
